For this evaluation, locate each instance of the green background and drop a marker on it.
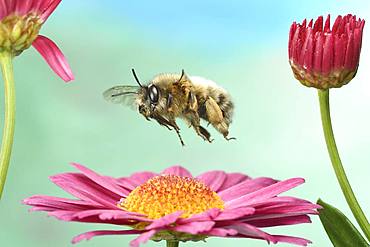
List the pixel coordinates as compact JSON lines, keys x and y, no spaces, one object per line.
{"x":242,"y":45}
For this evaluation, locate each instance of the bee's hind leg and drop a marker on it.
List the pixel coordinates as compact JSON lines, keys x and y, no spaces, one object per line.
{"x":223,"y":128}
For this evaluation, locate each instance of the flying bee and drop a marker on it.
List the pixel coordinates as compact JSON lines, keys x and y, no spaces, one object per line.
{"x":171,"y":96}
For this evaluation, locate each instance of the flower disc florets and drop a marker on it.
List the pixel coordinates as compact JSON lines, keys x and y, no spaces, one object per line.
{"x":166,"y":194}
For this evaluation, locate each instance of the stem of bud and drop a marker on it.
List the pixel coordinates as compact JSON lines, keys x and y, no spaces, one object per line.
{"x":337,"y":164}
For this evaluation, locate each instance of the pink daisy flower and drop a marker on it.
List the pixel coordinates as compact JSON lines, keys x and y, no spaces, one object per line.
{"x":20,"y":23}
{"x":175,"y":206}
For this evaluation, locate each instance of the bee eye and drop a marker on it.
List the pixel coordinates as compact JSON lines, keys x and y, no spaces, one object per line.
{"x":153,"y":94}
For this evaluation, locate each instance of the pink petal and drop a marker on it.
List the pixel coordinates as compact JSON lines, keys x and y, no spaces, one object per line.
{"x":54,"y":57}
{"x":116,"y":217}
{"x":246,"y":187}
{"x":308,"y":58}
{"x":337,"y":25}
{"x":214,"y":179}
{"x":317,"y":27}
{"x":293,"y":28}
{"x":177,"y":171}
{"x":194,"y":227}
{"x":142,"y":239}
{"x":51,"y":203}
{"x":165,"y":220}
{"x":292,"y":240}
{"x":296,"y":45}
{"x":251,"y":231}
{"x":221,"y":232}
{"x":328,"y":54}
{"x":49,"y":8}
{"x":265,"y":193}
{"x":44,"y":8}
{"x":339,"y":51}
{"x":327,"y":24}
{"x":304,"y":53}
{"x":350,"y":53}
{"x":82,"y":187}
{"x":101,"y":180}
{"x":89,"y":235}
{"x":287,"y":208}
{"x":230,"y":214}
{"x":233,"y":179}
{"x":126,"y":183}
{"x":135,"y":179}
{"x":317,"y":59}
{"x":205,"y":216}
{"x":288,"y":220}
{"x":310,"y":24}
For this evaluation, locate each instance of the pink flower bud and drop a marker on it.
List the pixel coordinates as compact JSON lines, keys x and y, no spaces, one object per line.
{"x":325,"y":58}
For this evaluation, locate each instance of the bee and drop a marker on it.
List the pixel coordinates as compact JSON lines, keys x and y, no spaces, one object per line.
{"x":168,"y":97}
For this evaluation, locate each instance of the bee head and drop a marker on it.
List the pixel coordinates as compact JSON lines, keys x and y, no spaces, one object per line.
{"x":149,"y":97}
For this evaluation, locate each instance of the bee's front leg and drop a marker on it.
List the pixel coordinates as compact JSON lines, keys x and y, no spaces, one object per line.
{"x":162,"y":121}
{"x":173,"y":124}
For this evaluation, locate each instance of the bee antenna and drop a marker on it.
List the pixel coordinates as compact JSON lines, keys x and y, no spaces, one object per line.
{"x":182,"y":74}
{"x":135,"y":76}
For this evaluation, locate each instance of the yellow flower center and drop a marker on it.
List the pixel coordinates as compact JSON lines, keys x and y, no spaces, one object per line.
{"x":166,"y":194}
{"x":18,"y":32}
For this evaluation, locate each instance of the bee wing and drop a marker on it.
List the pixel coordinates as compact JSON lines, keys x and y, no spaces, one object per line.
{"x":125,"y":95}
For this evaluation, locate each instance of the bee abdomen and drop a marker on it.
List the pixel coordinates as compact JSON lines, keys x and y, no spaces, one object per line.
{"x":226,"y":105}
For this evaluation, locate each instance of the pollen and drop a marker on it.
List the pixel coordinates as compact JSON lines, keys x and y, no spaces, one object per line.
{"x":166,"y":194}
{"x":18,"y":32}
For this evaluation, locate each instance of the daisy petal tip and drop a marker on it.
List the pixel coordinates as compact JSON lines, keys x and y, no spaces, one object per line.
{"x":297,"y":181}
{"x":80,"y":237}
{"x":78,"y":166}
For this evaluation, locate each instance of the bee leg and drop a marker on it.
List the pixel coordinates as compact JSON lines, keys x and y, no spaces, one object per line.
{"x":163,"y":122}
{"x":205,"y":133}
{"x":194,"y":119}
{"x":216,"y":118}
{"x":174,"y":125}
{"x":223,"y":128}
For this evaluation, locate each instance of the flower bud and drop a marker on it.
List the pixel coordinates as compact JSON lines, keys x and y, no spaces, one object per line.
{"x":324,"y":57}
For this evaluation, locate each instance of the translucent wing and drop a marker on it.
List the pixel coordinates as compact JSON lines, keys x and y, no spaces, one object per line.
{"x":125,"y":95}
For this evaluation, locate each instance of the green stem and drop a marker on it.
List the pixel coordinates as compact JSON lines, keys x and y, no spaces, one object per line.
{"x":337,"y":164}
{"x":172,"y":243}
{"x":8,"y":132}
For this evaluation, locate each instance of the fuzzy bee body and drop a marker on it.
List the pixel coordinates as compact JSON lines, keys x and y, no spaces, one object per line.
{"x":171,"y":96}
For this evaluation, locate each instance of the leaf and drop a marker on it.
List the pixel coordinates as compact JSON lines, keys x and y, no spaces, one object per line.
{"x":341,"y":231}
